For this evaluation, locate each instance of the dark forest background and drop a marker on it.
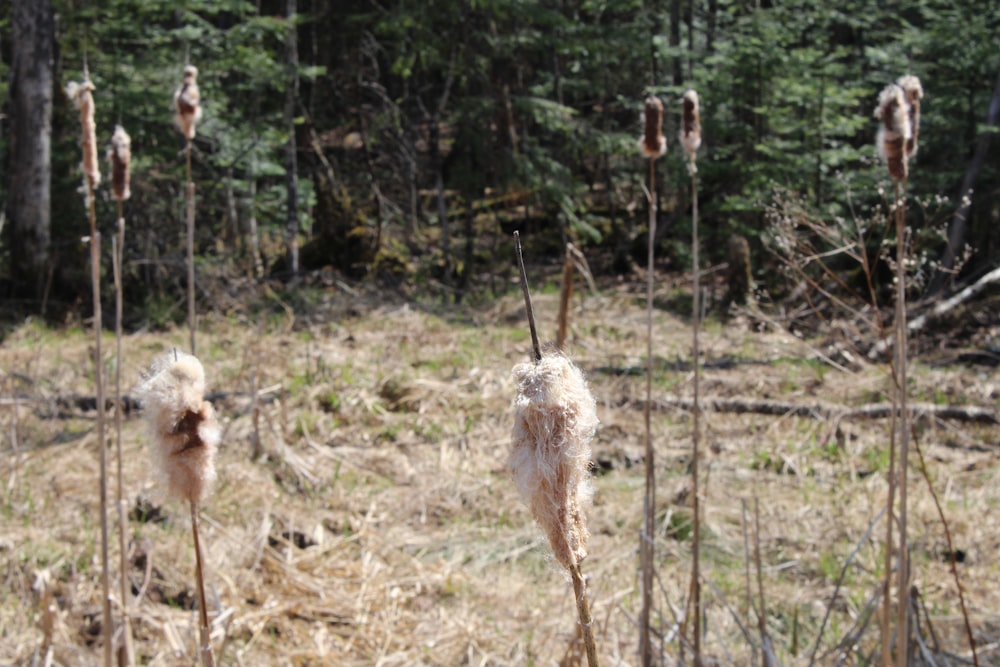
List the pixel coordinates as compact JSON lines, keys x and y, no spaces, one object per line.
{"x":403,"y":141}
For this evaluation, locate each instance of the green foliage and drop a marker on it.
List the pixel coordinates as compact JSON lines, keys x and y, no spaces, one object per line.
{"x":531,"y":102}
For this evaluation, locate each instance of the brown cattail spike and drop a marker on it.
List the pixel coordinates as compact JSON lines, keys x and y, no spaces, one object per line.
{"x":556,"y":417}
{"x":182,"y":424}
{"x":894,"y":130}
{"x":914,"y":92}
{"x":83,"y":100}
{"x":653,"y":144}
{"x":690,"y":134}
{"x":187,"y":102}
{"x":120,"y":155}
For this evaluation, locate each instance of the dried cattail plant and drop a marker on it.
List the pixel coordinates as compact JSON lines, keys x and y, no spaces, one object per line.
{"x":555,"y":420}
{"x":187,"y":113}
{"x":690,"y":137}
{"x":120,"y":155}
{"x":556,"y":417}
{"x":83,"y":100}
{"x":690,"y":132}
{"x":186,"y":436}
{"x":914,"y":93}
{"x":653,"y":144}
{"x":895,"y":130}
{"x":182,"y":423}
{"x":187,"y":103}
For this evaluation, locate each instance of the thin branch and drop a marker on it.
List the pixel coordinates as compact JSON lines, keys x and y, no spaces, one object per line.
{"x":535,"y":347}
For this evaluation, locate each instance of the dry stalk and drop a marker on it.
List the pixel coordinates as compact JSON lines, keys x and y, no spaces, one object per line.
{"x":565,"y":297}
{"x":556,"y":416}
{"x":186,"y":436}
{"x":81,"y":96}
{"x":126,"y":654}
{"x":652,"y":145}
{"x":187,"y":110}
{"x":207,"y":660}
{"x":898,"y":109}
{"x":765,"y":641}
{"x":951,"y":552}
{"x":120,"y":155}
{"x":691,"y":141}
{"x":900,"y":395}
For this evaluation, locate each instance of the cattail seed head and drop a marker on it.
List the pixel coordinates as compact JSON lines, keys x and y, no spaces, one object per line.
{"x":120,"y":155}
{"x":690,"y":134}
{"x":187,"y":102}
{"x":555,"y":419}
{"x":83,"y":100}
{"x":653,"y":144}
{"x":894,"y":130}
{"x":913,"y":92}
{"x":182,"y":424}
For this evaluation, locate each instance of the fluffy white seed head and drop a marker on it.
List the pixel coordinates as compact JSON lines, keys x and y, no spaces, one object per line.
{"x":914,"y":92}
{"x":894,"y":129}
{"x":120,"y":156}
{"x":690,"y":132}
{"x":187,"y":102}
{"x":82,"y":97}
{"x":555,"y":420}
{"x":182,"y":424}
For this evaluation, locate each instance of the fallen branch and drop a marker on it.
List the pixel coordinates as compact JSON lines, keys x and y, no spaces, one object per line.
{"x":963,"y":413}
{"x":940,"y":309}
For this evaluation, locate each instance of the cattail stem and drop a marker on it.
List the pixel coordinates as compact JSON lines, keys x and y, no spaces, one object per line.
{"x":565,"y":296}
{"x":535,"y":347}
{"x":126,"y":655}
{"x":207,"y":659}
{"x":95,"y":274}
{"x":903,"y":585}
{"x":696,"y":422}
{"x":586,"y":620}
{"x":192,"y":322}
{"x":647,"y":542}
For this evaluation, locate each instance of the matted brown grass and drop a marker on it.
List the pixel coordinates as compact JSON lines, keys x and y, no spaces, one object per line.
{"x":379,"y":526}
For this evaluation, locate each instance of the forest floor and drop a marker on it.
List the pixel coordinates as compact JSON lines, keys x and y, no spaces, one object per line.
{"x":363,"y":514}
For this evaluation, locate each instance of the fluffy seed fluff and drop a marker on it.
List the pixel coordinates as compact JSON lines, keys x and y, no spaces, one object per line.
{"x":187,"y":102}
{"x":120,"y":155}
{"x":690,"y":133}
{"x":83,"y":100}
{"x":914,"y":92}
{"x":653,"y":144}
{"x":894,"y":130}
{"x":555,"y":419}
{"x":182,"y":424}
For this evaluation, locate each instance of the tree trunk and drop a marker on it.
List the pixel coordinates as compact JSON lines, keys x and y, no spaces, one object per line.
{"x":33,"y":30}
{"x":956,"y":230}
{"x":291,"y":175}
{"x":675,"y":40}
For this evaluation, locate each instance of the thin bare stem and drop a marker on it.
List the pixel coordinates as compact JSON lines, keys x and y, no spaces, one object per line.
{"x":762,"y":611}
{"x":951,"y":552}
{"x":95,"y":274}
{"x":749,"y":590}
{"x":565,"y":296}
{"x":207,"y":660}
{"x":535,"y":347}
{"x":126,"y":654}
{"x":696,"y":422}
{"x":903,"y":574}
{"x":583,"y":610}
{"x":647,"y":541}
{"x":192,"y":322}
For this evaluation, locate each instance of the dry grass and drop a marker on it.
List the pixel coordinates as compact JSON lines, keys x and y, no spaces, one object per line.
{"x":380,"y":527}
